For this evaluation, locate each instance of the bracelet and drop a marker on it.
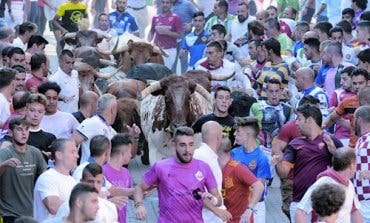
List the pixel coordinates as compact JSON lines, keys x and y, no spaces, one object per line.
{"x":138,"y":204}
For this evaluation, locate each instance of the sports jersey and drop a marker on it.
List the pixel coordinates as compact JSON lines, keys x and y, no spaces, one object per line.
{"x":195,"y":44}
{"x":71,"y":13}
{"x":122,"y":23}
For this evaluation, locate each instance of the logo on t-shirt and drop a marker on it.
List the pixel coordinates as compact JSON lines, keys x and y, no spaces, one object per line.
{"x":252,"y":165}
{"x":229,"y":182}
{"x":199,"y":175}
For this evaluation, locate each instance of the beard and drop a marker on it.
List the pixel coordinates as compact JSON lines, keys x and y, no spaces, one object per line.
{"x":181,"y":158}
{"x":241,"y":19}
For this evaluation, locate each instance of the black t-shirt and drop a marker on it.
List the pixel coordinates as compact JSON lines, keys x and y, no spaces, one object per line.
{"x":227,"y":124}
{"x":79,"y":116}
{"x":41,"y":140}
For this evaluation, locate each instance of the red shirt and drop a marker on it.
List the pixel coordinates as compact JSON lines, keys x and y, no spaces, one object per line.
{"x":236,"y":186}
{"x":34,"y":82}
{"x":168,"y":21}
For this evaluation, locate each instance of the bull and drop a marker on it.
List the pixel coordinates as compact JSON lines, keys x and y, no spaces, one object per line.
{"x":172,"y":102}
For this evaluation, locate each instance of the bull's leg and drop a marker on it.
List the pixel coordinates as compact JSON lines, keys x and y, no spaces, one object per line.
{"x":145,"y":155}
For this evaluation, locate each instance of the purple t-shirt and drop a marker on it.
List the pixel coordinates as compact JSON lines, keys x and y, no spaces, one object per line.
{"x":176,"y":183}
{"x":118,"y":178}
{"x":170,"y":22}
{"x":309,"y":158}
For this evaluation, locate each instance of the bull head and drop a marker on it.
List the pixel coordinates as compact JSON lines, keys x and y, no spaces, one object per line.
{"x":177,"y":92}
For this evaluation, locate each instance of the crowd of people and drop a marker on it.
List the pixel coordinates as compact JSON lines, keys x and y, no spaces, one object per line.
{"x":297,"y":107}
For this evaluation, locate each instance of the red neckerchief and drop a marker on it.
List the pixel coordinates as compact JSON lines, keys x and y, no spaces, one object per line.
{"x":211,"y":67}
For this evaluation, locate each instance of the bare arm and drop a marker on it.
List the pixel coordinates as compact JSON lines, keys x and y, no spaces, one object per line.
{"x":322,"y":8}
{"x":278,"y":147}
{"x":140,"y":211}
{"x":300,"y":216}
{"x":257,"y":190}
{"x":356,"y":217}
{"x":78,"y":138}
{"x":116,"y":191}
{"x":331,"y":120}
{"x":57,"y":25}
{"x":52,"y":203}
{"x":12,"y":162}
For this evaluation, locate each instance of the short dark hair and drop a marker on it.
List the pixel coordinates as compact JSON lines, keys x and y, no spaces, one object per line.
{"x":17,"y":121}
{"x":220,"y":28}
{"x":66,"y":52}
{"x":257,"y":42}
{"x":183,"y":131}
{"x":249,"y":122}
{"x":311,"y":111}
{"x":44,"y":87}
{"x":362,"y":4}
{"x":37,"y":98}
{"x":349,"y":11}
{"x":256,"y":27}
{"x":272,"y":7}
{"x":324,"y":27}
{"x":223,"y":4}
{"x":199,"y":13}
{"x":343,"y":158}
{"x":7,"y":75}
{"x":346,"y":26}
{"x":19,"y":68}
{"x":348,"y":70}
{"x":335,"y":29}
{"x":58,"y":145}
{"x":20,"y":102}
{"x":119,"y":140}
{"x":222,"y":88}
{"x":309,"y":99}
{"x":314,"y":43}
{"x":364,"y":55}
{"x":327,"y":199}
{"x":365,"y":16}
{"x":272,"y":44}
{"x":36,"y":39}
{"x":102,"y":14}
{"x":274,"y":81}
{"x":273,"y":23}
{"x":217,"y":45}
{"x":6,"y":51}
{"x":364,"y":25}
{"x":15,"y":50}
{"x":223,"y":44}
{"x":79,"y":190}
{"x":360,"y":72}
{"x":26,"y":26}
{"x":37,"y":60}
{"x":92,"y":168}
{"x":97,"y":145}
{"x":302,"y":26}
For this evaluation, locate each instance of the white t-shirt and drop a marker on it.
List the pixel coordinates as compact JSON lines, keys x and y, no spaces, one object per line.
{"x":69,"y":85}
{"x":240,"y":30}
{"x":107,"y":212}
{"x":207,"y":155}
{"x":61,"y":124}
{"x":344,"y":215}
{"x":4,"y":108}
{"x":49,"y":12}
{"x":50,"y":183}
{"x":17,"y":42}
{"x":238,"y":80}
{"x":91,"y":127}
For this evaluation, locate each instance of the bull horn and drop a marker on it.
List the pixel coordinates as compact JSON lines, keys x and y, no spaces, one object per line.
{"x":107,"y":75}
{"x":121,"y":49}
{"x":107,"y":62}
{"x":150,"y":89}
{"x":159,"y":50}
{"x":203,"y":92}
{"x":220,"y":77}
{"x":69,"y":35}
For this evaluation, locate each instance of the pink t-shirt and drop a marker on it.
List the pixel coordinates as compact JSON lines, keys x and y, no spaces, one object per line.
{"x":340,"y":131}
{"x":329,"y":84}
{"x":170,"y":22}
{"x":118,"y":178}
{"x":176,"y":183}
{"x":34,"y":82}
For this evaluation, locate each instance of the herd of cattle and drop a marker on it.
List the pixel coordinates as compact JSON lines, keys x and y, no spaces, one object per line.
{"x":147,"y":92}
